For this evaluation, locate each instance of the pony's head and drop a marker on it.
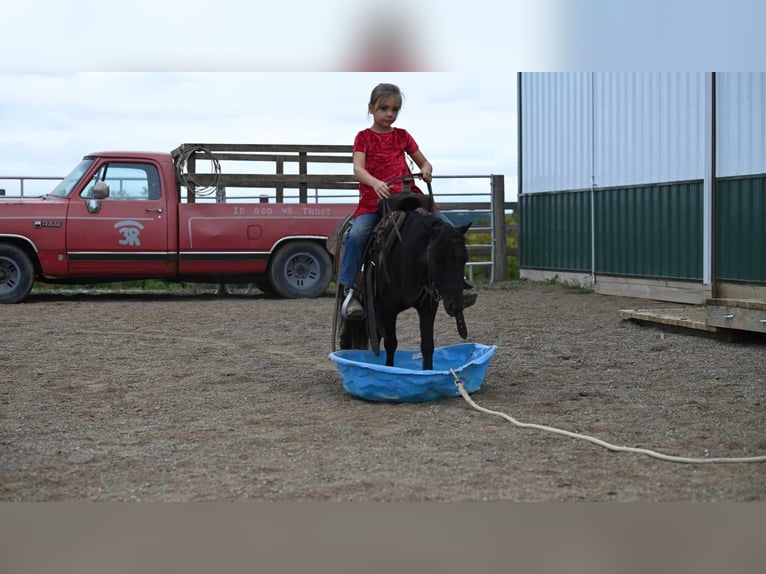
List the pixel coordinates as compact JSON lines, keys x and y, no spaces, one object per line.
{"x":447,"y":255}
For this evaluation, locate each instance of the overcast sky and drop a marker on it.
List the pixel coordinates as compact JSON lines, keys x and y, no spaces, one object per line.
{"x":460,"y":103}
{"x":465,"y":123}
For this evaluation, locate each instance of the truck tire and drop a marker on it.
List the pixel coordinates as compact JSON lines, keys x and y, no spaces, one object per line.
{"x":17,"y":274}
{"x":300,"y":269}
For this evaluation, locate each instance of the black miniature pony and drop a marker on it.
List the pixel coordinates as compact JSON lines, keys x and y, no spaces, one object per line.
{"x":413,"y":259}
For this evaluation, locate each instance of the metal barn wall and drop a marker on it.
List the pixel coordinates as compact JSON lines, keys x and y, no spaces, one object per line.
{"x":556,"y":128}
{"x":556,"y":230}
{"x":740,"y":196}
{"x":740,"y":123}
{"x":628,"y":150}
{"x":617,"y":175}
{"x":740,"y":236}
{"x":581,"y":129}
{"x":652,"y":231}
{"x":649,"y":127}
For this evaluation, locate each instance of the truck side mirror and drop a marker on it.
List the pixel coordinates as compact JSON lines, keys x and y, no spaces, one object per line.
{"x":100,"y":191}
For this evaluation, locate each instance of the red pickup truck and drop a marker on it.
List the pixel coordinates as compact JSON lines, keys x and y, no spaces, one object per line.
{"x":120,"y":216}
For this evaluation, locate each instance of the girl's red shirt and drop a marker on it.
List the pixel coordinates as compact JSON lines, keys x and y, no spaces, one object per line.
{"x":384,"y":159}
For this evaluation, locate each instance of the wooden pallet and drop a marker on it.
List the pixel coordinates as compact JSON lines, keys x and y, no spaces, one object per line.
{"x":741,"y":314}
{"x":688,"y":317}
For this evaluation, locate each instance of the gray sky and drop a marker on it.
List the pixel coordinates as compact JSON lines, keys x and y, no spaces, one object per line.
{"x":465,"y":123}
{"x":464,"y":117}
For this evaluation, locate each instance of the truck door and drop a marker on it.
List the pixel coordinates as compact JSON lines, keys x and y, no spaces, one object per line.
{"x":124,"y":234}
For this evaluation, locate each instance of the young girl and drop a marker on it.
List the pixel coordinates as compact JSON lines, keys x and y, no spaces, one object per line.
{"x":379,"y":156}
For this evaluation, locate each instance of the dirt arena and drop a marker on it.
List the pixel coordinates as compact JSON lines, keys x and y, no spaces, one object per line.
{"x":207,"y":398}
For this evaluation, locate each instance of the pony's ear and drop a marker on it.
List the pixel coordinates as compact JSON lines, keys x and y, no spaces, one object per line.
{"x":464,"y":228}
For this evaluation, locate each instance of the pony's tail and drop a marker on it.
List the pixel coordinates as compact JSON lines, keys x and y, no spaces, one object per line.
{"x":353,"y":335}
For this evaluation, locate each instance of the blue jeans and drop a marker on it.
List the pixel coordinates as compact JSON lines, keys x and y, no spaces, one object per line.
{"x":356,"y":240}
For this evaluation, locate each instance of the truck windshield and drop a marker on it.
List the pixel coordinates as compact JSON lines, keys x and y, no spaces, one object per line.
{"x":64,"y":188}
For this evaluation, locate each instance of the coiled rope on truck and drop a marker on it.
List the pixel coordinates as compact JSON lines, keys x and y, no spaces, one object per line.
{"x":646,"y":451}
{"x":190,"y":180}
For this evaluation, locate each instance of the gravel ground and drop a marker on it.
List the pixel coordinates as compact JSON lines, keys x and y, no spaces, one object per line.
{"x":206,"y":398}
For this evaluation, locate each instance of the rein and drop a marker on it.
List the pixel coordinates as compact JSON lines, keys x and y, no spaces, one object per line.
{"x":411,"y":177}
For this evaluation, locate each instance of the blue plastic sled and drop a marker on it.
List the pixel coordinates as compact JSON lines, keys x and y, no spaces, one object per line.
{"x":366,"y":376}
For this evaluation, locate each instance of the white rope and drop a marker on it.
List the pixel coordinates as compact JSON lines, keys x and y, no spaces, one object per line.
{"x":646,"y":451}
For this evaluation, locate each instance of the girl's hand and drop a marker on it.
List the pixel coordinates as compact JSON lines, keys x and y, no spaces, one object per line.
{"x":426,"y":175}
{"x":381,"y":189}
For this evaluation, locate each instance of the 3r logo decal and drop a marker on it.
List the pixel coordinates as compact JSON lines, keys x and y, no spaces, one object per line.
{"x":130,"y":230}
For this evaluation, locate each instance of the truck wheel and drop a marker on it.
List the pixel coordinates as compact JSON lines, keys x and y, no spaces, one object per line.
{"x":16,"y":274}
{"x":300,"y":269}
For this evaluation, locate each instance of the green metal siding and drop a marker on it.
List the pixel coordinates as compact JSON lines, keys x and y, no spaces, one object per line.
{"x":554,"y":232}
{"x":650,"y":231}
{"x":740,"y":229}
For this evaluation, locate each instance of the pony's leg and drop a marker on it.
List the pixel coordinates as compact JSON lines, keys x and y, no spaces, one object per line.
{"x":390,"y":342}
{"x":427,"y":317}
{"x":353,"y":335}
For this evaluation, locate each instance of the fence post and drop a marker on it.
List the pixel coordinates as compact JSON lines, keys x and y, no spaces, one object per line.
{"x":280,"y":188}
{"x":303,"y":169}
{"x":499,"y":259}
{"x":191,"y":167}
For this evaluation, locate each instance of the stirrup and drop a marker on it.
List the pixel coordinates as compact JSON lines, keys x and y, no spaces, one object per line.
{"x":356,"y":310}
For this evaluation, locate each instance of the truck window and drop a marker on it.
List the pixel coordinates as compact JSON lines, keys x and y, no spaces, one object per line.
{"x":64,"y":188}
{"x":127,"y":181}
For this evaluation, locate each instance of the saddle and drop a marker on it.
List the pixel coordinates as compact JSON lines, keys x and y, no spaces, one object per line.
{"x":405,"y":201}
{"x":392,"y":211}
